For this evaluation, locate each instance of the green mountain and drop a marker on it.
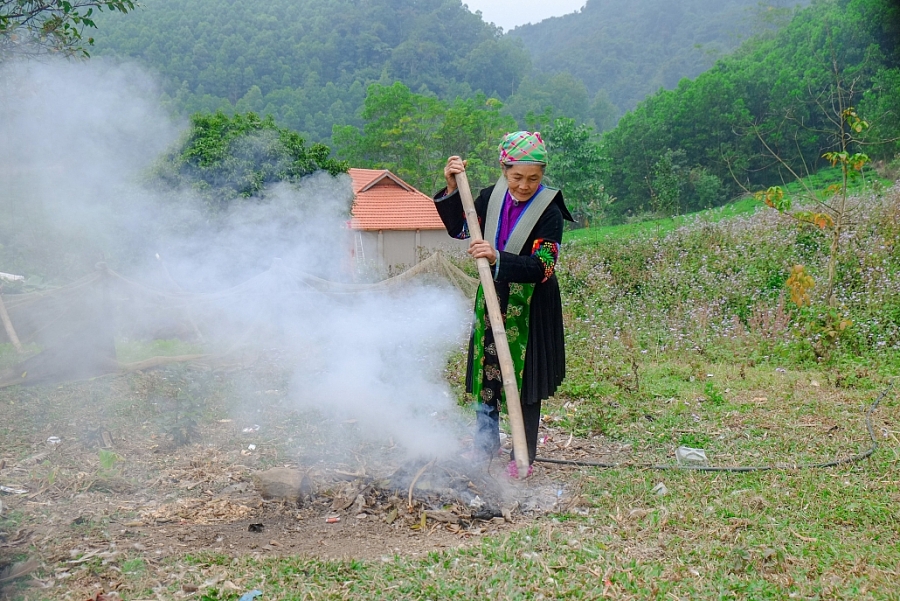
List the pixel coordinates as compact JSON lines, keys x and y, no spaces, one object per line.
{"x":308,"y":62}
{"x":827,"y":82}
{"x":625,"y":50}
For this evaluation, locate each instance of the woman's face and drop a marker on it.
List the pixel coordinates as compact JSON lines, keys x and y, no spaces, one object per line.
{"x":523,"y":180}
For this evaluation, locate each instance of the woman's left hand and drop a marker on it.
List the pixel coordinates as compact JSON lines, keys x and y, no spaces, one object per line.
{"x":482,"y":249}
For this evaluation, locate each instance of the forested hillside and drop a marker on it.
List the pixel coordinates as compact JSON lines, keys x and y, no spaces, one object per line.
{"x":308,"y":62}
{"x":625,"y":50}
{"x":829,"y":81}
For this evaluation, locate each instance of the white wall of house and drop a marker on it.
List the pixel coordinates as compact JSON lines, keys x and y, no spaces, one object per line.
{"x":400,"y":249}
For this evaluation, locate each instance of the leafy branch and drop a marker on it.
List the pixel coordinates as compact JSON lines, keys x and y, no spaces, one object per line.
{"x":55,"y":25}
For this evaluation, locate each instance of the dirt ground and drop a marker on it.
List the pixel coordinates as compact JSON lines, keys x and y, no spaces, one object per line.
{"x":106,"y":475}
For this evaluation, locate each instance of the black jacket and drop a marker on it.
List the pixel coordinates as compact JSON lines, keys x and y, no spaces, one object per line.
{"x":545,"y":359}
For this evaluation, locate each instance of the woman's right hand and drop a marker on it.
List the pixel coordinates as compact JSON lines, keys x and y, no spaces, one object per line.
{"x":454,"y":165}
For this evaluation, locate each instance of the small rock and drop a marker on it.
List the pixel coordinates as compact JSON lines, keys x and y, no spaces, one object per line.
{"x":688,"y":455}
{"x":448,"y":517}
{"x":660,"y":489}
{"x":281,"y":484}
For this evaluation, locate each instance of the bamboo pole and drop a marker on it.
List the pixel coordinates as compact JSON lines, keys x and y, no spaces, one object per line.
{"x":8,"y":326}
{"x":507,"y":370}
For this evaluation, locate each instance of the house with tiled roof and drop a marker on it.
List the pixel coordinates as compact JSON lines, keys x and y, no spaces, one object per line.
{"x":393,"y":223}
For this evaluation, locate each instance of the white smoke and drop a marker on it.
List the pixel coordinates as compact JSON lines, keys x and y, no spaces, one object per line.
{"x":77,"y":140}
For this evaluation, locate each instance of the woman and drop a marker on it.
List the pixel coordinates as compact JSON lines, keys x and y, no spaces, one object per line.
{"x":522,"y":221}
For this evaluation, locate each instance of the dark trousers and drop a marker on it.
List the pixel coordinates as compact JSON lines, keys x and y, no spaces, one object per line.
{"x":487,"y":428}
{"x":487,"y":416}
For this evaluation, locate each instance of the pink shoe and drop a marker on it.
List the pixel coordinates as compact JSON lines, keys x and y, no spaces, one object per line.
{"x":512,"y":470}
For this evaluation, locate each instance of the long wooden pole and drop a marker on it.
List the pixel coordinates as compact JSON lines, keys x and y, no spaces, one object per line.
{"x":507,"y":369}
{"x":8,"y":326}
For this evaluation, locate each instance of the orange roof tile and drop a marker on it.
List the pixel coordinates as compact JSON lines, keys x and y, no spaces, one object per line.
{"x":383,"y":201}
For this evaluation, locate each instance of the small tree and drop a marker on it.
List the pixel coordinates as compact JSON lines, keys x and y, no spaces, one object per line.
{"x":55,"y":25}
{"x":668,"y":180}
{"x":237,"y":157}
{"x":473,"y":129}
{"x":835,"y":209}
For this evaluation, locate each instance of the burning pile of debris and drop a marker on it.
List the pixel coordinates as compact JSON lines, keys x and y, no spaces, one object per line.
{"x":451,"y":493}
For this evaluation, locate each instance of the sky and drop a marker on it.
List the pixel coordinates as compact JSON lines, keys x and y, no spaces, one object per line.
{"x":512,"y":13}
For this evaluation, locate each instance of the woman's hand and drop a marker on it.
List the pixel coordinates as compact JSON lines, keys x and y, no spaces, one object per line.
{"x":482,"y":249}
{"x":454,"y":165}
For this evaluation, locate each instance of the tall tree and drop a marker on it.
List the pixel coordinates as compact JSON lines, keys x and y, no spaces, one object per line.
{"x":576,"y":164}
{"x":472,"y":129}
{"x":413,"y":134}
{"x":398,"y":135}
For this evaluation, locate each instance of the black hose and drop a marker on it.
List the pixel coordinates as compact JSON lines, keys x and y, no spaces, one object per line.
{"x":742,"y":468}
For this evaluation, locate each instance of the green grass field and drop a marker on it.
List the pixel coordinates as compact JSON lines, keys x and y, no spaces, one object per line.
{"x":660,"y":227}
{"x":797,"y":191}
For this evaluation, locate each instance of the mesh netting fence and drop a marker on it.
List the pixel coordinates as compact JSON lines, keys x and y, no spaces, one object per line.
{"x":70,"y":333}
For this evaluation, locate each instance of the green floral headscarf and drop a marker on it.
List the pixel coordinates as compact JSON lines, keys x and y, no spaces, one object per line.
{"x":523,"y":147}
